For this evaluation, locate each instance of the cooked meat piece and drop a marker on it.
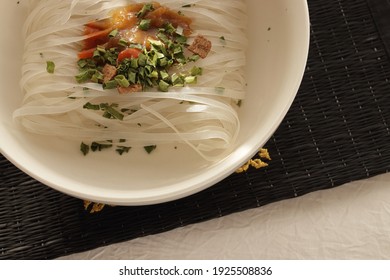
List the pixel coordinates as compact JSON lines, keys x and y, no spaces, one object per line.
{"x":130,"y":89}
{"x":200,"y":46}
{"x":109,"y":72}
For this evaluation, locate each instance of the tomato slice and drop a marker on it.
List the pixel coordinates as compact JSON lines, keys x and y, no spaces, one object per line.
{"x":99,"y":37}
{"x":128,"y":53}
{"x":86,"y":53}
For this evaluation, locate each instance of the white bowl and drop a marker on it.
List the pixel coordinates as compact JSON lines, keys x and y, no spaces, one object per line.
{"x":279,"y":42}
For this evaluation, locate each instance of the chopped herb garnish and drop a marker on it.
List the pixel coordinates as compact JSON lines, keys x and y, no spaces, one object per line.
{"x":110,"y":112}
{"x":123,"y":43}
{"x":220,"y":90}
{"x":122,"y":81}
{"x":122,"y":149}
{"x":113,"y":33}
{"x":90,"y":106}
{"x":196,"y":71}
{"x":84,"y":148}
{"x":190,"y":80}
{"x":163,"y":86}
{"x":187,"y":6}
{"x":150,"y":149}
{"x":110,"y":84}
{"x":95,"y":146}
{"x":144,"y":24}
{"x":50,"y":67}
{"x":145,"y":9}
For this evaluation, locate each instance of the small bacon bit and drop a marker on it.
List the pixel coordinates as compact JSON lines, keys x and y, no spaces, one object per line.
{"x":130,"y":89}
{"x":201,"y":46}
{"x":109,"y":72}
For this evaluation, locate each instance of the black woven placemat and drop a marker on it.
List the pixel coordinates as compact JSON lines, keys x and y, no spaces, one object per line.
{"x":337,"y":131}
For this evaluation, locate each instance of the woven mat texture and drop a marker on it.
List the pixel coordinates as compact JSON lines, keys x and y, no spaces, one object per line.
{"x":337,"y":131}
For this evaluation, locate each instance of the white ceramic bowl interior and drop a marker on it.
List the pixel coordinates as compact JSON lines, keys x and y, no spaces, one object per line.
{"x":279,"y":40}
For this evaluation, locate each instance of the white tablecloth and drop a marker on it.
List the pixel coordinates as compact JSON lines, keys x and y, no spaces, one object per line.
{"x":348,"y":222}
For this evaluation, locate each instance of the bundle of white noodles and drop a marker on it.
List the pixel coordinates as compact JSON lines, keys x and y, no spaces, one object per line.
{"x":203,"y":116}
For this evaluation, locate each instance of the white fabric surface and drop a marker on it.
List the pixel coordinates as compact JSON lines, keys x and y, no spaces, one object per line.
{"x":348,"y":222}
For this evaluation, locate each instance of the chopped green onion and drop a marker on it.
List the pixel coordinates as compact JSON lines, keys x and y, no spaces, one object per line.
{"x":50,"y":67}
{"x":145,"y":9}
{"x":144,"y":24}
{"x":110,"y":84}
{"x":122,"y":42}
{"x":134,"y":63}
{"x":190,"y":79}
{"x":163,"y":86}
{"x":122,"y":81}
{"x":113,"y":33}
{"x":101,"y":49}
{"x":196,"y":71}
{"x":136,"y":46}
{"x":164,"y":75}
{"x":85,"y":75}
{"x":142,"y":59}
{"x":181,"y":39}
{"x":97,"y":77}
{"x":169,"y":28}
{"x":132,"y":77}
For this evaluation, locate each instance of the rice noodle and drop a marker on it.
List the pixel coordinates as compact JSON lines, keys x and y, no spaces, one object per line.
{"x":203,"y":116}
